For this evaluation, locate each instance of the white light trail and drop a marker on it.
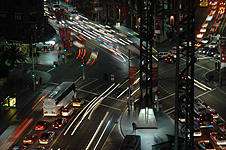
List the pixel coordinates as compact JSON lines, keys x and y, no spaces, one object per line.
{"x":101,"y":135}
{"x":95,"y":134}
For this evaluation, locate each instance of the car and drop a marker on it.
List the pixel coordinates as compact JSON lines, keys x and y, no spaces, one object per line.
{"x":30,"y":138}
{"x":170,"y":59}
{"x":67,"y":111}
{"x":199,"y":35}
{"x":20,"y":147}
{"x":218,"y":138}
{"x":214,"y":112}
{"x":162,"y":55}
{"x":213,"y":44}
{"x":42,"y":125}
{"x":203,"y":50}
{"x":222,"y":127}
{"x":219,"y":17}
{"x":212,"y":12}
{"x":213,"y":29}
{"x":205,"y":104}
{"x":59,"y":123}
{"x":206,"y":145}
{"x":209,"y":18}
{"x":38,"y":148}
{"x":217,"y":55}
{"x":205,"y":40}
{"x":221,"y":10}
{"x":211,"y":51}
{"x":47,"y":137}
{"x":205,"y":24}
{"x":221,"y":3}
{"x":78,"y":102}
{"x":197,"y":132}
{"x":213,"y":2}
{"x":217,"y":23}
{"x":203,"y":30}
{"x":214,"y":7}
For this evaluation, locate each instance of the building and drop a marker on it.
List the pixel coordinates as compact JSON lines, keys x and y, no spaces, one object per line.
{"x":19,"y":17}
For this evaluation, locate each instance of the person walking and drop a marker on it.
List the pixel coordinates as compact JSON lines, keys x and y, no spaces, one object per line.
{"x":134,"y":125}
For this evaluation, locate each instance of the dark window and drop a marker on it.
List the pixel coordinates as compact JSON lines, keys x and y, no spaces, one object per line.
{"x":18,"y":16}
{"x":3,"y":14}
{"x":4,"y":29}
{"x":33,"y":17}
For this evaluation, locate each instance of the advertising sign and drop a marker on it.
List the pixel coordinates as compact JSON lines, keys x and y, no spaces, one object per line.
{"x":132,"y":75}
{"x":223,"y":55}
{"x":157,"y":24}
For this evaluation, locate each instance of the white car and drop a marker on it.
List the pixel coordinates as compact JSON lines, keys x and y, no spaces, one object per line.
{"x":67,"y":111}
{"x":213,"y":44}
{"x":209,"y":18}
{"x":206,"y":145}
{"x":218,"y":138}
{"x":162,"y":55}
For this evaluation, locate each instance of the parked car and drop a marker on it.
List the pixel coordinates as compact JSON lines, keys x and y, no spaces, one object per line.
{"x":206,"y":145}
{"x":211,"y":51}
{"x":29,"y":139}
{"x":67,"y":111}
{"x":162,"y":55}
{"x":47,"y":137}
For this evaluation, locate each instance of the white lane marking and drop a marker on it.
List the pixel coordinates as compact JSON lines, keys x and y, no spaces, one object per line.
{"x":205,"y":93}
{"x":167,"y":97}
{"x":50,"y":70}
{"x":110,"y":107}
{"x":169,"y":109}
{"x":88,"y":84}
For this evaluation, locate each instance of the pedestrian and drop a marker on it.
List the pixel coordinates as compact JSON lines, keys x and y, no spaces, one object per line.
{"x":134,"y":125}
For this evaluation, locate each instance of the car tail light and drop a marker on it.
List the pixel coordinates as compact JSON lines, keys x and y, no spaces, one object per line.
{"x":53,"y":112}
{"x":45,"y":112}
{"x":59,"y":125}
{"x":79,"y":103}
{"x":200,"y":122}
{"x":211,"y":122}
{"x":47,"y":140}
{"x":53,"y":125}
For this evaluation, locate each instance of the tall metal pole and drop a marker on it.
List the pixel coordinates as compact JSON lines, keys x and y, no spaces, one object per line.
{"x":220,"y":63}
{"x":33,"y":68}
{"x":129,"y":83}
{"x":176,"y":133}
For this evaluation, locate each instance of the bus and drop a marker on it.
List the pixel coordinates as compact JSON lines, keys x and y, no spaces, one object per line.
{"x":202,"y":116}
{"x":59,"y":98}
{"x":203,"y":3}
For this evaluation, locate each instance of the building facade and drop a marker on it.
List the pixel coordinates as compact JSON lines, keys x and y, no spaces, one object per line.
{"x":19,"y":18}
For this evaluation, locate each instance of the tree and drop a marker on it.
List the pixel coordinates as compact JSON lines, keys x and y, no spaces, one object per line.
{"x":12,"y":55}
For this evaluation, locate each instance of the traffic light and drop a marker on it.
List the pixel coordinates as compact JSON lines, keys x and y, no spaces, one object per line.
{"x":158,"y":94}
{"x":83,"y":63}
{"x":33,"y":74}
{"x":154,"y":36}
{"x":55,"y":64}
{"x":65,"y":49}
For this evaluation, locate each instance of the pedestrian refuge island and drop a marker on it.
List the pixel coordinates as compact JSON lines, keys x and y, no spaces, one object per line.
{"x":146,"y":119}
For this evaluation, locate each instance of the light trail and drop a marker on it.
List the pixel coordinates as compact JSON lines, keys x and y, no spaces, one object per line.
{"x":95,"y":134}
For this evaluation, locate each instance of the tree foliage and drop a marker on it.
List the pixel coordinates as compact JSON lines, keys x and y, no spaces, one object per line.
{"x":13,"y":55}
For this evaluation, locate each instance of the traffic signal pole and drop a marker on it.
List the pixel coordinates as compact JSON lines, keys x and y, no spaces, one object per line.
{"x":33,"y":68}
